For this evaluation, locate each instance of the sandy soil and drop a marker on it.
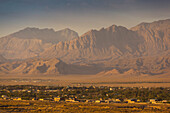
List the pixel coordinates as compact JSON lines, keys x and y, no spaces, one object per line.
{"x":87,"y":80}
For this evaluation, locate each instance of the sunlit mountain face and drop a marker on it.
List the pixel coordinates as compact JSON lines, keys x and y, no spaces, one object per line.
{"x":142,"y":49}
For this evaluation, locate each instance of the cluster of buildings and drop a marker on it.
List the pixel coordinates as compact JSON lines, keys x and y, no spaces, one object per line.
{"x":152,"y":101}
{"x":64,"y":94}
{"x":73,"y":99}
{"x":4,"y":97}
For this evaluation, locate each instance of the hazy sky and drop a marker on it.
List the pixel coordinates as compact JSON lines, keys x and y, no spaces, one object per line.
{"x":79,"y":15}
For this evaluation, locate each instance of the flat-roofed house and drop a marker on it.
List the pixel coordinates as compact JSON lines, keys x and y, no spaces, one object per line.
{"x":153,"y":101}
{"x":100,"y":101}
{"x":118,"y":101}
{"x":72,"y":100}
{"x":57,"y":99}
{"x":132,"y":100}
{"x":17,"y":98}
{"x":41,"y":99}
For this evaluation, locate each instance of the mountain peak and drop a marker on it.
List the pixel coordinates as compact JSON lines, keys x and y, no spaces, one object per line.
{"x":45,"y":34}
{"x":37,"y":29}
{"x":29,"y":28}
{"x":162,"y":23}
{"x":114,"y":28}
{"x":30,"y":41}
{"x":67,"y":29}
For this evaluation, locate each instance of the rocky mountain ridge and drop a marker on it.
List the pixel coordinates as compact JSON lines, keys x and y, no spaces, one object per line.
{"x":37,"y":66}
{"x":114,"y":42}
{"x":143,"y":49}
{"x":30,"y":42}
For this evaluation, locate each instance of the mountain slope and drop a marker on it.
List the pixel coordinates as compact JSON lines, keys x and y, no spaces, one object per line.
{"x":136,"y":66}
{"x":46,"y":35}
{"x":30,"y":42}
{"x":156,"y":36}
{"x":2,"y":59}
{"x":152,"y":65}
{"x":111,"y":42}
{"x":52,"y":66}
{"x":143,"y":49}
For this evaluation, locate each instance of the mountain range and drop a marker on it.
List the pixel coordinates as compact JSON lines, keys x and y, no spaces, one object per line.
{"x":143,"y":49}
{"x":29,"y":42}
{"x":146,"y":39}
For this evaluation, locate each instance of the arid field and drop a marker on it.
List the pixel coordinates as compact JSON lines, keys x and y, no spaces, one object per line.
{"x":87,"y":80}
{"x":51,"y":107}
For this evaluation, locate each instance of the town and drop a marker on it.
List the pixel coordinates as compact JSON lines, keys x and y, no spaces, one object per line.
{"x":93,"y":94}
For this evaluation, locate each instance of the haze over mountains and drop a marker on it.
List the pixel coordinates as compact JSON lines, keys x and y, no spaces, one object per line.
{"x":143,"y":49}
{"x":29,"y":42}
{"x":2,"y":59}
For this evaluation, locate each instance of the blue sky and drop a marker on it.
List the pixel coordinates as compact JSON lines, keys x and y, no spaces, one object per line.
{"x":79,"y":15}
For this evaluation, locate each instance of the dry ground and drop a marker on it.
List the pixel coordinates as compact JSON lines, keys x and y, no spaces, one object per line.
{"x":87,"y":80}
{"x":51,"y":107}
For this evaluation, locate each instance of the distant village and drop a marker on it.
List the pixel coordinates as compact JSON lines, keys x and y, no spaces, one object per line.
{"x":91,"y":94}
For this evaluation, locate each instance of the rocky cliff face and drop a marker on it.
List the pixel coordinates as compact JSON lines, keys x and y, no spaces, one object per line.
{"x":30,"y":42}
{"x":116,"y":49}
{"x":152,"y":65}
{"x":52,"y":66}
{"x":112,"y":42}
{"x":2,"y":59}
{"x":156,"y":36}
{"x":46,"y":35}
